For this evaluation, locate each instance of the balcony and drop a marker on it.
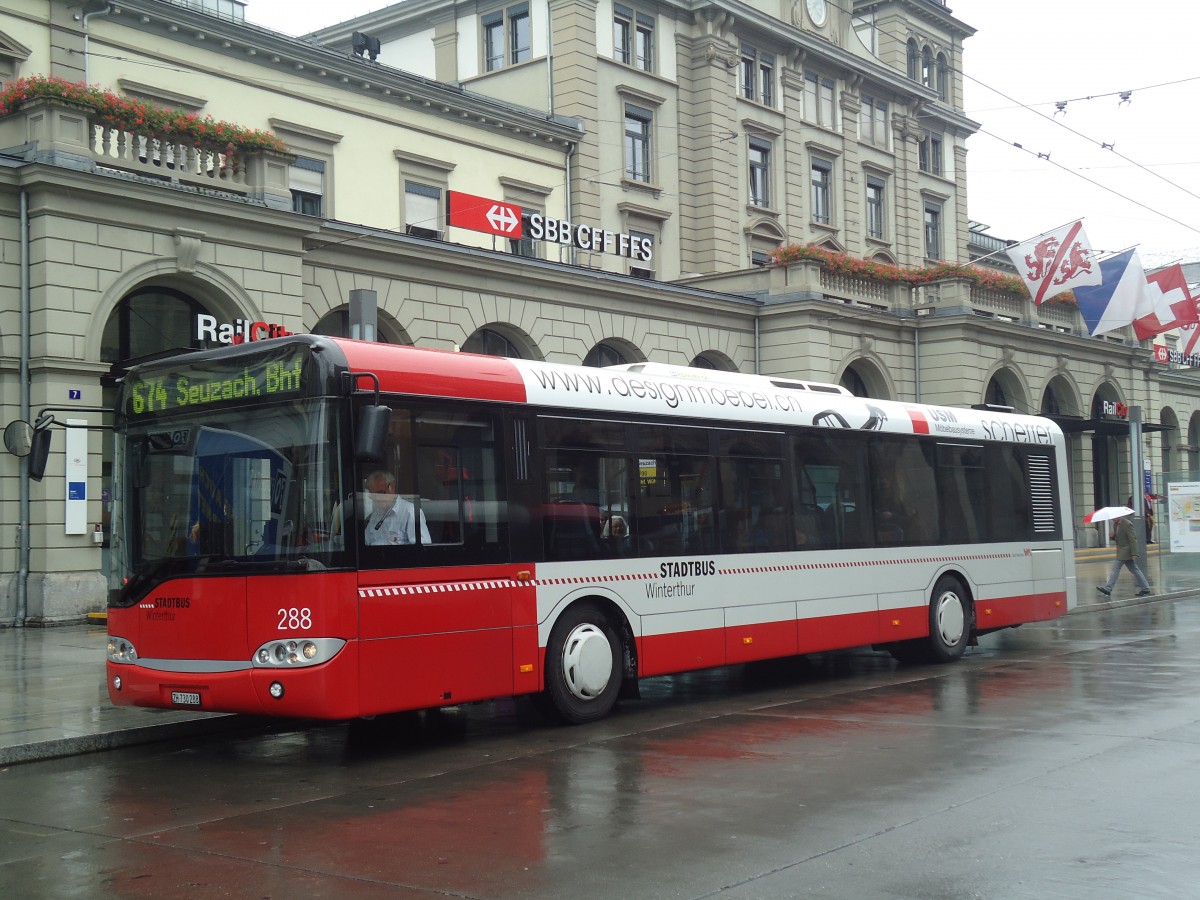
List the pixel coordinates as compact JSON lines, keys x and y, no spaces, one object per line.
{"x":58,"y":132}
{"x":809,"y":279}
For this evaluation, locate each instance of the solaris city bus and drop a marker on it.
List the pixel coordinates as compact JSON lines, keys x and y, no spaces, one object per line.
{"x":557,"y":531}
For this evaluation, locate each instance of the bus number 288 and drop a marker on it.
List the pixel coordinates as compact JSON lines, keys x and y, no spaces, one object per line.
{"x":291,"y":619}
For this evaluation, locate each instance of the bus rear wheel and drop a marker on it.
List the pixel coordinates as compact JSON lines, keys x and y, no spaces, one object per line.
{"x":949,"y":620}
{"x":950,"y":624}
{"x":583,"y":666}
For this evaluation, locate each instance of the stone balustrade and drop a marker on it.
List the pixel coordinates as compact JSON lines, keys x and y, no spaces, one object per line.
{"x":810,"y":279}
{"x":66,"y":134}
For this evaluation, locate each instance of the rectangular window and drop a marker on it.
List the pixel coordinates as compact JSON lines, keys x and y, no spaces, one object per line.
{"x":442,"y":490}
{"x":760,"y":173}
{"x":933,"y":230}
{"x":749,"y":74}
{"x":525,"y":246}
{"x":929,"y":153}
{"x":520,"y":42}
{"x":872,"y":122}
{"x":818,"y":100}
{"x":637,"y":143}
{"x":822,"y":179}
{"x":633,"y":38}
{"x":904,"y":492}
{"x":758,"y":76}
{"x":306,"y":180}
{"x":641,"y":268}
{"x":962,"y":491}
{"x":830,"y":492}
{"x":507,"y":37}
{"x":875,"y":208}
{"x":588,"y":511}
{"x":422,"y":209}
{"x":493,"y":42}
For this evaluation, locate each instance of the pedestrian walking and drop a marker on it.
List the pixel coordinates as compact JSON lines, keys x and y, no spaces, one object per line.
{"x":1127,"y":556}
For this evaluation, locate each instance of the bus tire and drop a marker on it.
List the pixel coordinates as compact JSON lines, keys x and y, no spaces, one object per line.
{"x":950,"y":620}
{"x":583,"y":666}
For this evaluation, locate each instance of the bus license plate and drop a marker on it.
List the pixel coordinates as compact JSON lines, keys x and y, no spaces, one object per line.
{"x":185,"y":698}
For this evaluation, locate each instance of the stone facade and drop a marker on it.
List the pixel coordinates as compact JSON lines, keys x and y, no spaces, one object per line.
{"x":102,"y":229}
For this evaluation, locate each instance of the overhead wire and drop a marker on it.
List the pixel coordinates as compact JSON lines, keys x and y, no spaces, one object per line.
{"x":1046,"y":158}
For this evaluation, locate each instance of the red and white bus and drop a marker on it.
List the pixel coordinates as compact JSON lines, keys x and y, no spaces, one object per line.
{"x":334,"y":529}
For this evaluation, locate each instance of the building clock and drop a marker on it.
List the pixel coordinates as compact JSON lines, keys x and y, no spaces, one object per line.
{"x":817,"y":12}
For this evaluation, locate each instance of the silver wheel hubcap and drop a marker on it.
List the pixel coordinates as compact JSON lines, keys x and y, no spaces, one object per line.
{"x":951,"y":619}
{"x":586,"y":661}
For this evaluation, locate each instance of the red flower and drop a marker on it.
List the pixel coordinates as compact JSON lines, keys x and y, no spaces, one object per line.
{"x":126,"y":114}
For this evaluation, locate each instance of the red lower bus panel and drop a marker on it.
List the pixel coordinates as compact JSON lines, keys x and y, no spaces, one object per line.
{"x":1005,"y":611}
{"x":746,"y":643}
{"x":836,"y":632}
{"x":902,"y":624}
{"x":662,"y":654}
{"x":435,"y":670}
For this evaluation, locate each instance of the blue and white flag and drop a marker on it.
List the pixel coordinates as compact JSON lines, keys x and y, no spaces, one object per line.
{"x":1120,"y":298}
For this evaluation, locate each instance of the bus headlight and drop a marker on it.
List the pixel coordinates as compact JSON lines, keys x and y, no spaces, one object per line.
{"x":292,"y":653}
{"x":120,"y":650}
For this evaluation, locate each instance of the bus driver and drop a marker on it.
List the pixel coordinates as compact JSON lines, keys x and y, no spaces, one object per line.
{"x":391,"y":519}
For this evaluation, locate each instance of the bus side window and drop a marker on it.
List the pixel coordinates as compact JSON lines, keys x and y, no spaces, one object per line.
{"x":753,"y":516}
{"x":831,"y":487}
{"x":460,"y":484}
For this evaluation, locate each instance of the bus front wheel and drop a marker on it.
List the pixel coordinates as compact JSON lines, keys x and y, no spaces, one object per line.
{"x":583,"y":671}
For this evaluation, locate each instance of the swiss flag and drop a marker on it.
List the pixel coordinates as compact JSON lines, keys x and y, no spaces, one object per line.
{"x":1173,"y":305}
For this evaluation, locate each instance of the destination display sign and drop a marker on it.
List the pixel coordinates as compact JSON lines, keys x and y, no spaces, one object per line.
{"x":169,"y":389}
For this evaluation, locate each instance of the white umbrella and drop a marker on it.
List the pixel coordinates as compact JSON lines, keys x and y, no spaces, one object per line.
{"x":1107,"y":512}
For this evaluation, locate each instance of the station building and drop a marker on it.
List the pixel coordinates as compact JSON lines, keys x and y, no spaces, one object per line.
{"x":658,"y":154}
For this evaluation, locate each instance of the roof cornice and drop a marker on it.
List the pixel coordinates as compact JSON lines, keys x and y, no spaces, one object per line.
{"x":309,"y":61}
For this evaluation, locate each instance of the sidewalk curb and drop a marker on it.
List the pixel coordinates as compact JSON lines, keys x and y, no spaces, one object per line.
{"x":59,"y":748}
{"x":1131,"y":601}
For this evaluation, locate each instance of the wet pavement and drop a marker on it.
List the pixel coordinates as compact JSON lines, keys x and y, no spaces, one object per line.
{"x":53,"y":700}
{"x":1059,"y":760}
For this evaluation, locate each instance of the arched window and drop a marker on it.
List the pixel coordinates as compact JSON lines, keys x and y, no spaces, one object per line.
{"x":995,"y":394}
{"x":914,"y":61}
{"x":943,"y":76}
{"x":927,"y":67}
{"x":148,"y":321}
{"x":854,"y":383}
{"x":1050,"y":403}
{"x":604,"y":354}
{"x":337,"y":324}
{"x":491,"y":343}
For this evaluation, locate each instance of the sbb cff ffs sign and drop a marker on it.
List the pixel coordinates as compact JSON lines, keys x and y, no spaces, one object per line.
{"x":482,"y":214}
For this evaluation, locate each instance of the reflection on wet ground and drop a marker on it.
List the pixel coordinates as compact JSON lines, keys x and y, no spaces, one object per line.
{"x":1057,"y":759}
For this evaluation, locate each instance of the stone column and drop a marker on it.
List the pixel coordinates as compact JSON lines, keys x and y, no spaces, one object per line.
{"x":575,"y":76}
{"x":709,"y":177}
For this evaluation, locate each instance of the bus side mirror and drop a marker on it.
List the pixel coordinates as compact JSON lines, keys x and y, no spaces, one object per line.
{"x":22,"y":439}
{"x":370,"y":440}
{"x":18,"y":437}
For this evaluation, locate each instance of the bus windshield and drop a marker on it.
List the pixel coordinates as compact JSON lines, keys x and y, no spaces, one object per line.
{"x":248,"y":488}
